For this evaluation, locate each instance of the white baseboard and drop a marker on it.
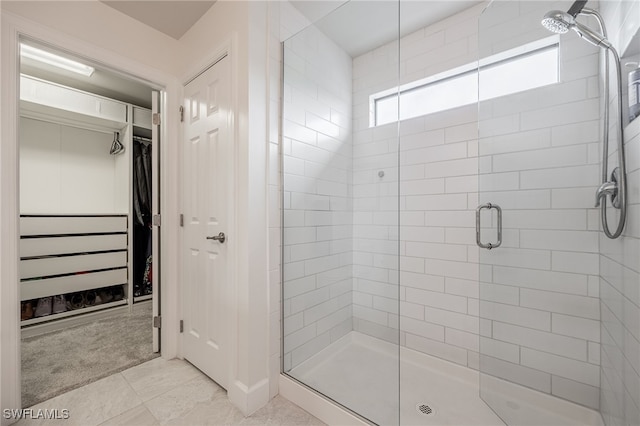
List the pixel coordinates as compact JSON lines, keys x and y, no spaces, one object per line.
{"x":249,"y":400}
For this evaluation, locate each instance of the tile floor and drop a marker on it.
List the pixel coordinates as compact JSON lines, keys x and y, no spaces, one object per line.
{"x":162,"y":392}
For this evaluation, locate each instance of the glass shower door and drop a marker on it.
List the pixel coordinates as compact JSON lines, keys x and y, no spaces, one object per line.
{"x":340,"y":225}
{"x":537,"y":227}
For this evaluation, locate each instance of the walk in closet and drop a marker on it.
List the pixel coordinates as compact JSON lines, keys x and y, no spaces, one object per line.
{"x":85,"y":203}
{"x":89,"y":142}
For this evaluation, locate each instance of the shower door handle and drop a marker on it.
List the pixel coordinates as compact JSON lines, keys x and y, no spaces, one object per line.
{"x":489,"y":206}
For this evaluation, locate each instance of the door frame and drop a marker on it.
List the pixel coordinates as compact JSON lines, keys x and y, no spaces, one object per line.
{"x":226,"y":49}
{"x":12,"y":28}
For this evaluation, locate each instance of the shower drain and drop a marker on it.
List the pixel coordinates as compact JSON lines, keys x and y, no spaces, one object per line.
{"x":424,"y":409}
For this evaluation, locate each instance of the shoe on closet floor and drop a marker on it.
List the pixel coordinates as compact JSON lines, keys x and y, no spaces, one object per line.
{"x":75,"y":301}
{"x":90,"y":298}
{"x":105,"y":295}
{"x":26,"y":311}
{"x":59,"y":304}
{"x":44,"y":307}
{"x":118,"y":293}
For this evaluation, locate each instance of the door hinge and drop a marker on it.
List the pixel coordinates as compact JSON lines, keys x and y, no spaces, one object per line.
{"x":181,"y":114}
{"x":181,"y":326}
{"x":157,"y":220}
{"x":157,"y":322}
{"x":181,"y":220}
{"x":156,"y":119}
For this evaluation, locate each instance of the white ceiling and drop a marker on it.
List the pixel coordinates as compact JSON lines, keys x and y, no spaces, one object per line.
{"x":358,"y":26}
{"x":174,"y":18}
{"x":362,"y":25}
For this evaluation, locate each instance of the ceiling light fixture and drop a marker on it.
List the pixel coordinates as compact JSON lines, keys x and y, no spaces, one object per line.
{"x":31,"y":52}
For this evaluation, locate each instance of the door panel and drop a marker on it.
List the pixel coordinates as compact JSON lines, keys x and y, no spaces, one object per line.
{"x":207,"y":154}
{"x":538,"y":160}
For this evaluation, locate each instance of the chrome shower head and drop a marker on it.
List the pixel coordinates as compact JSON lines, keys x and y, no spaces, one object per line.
{"x":558,"y":22}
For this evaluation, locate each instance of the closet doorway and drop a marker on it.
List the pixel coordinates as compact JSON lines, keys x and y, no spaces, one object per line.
{"x":89,"y":237}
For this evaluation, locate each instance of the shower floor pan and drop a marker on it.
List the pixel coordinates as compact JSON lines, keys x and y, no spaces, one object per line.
{"x":361,"y":372}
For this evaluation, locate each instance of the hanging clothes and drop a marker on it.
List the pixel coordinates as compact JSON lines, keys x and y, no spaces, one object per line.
{"x":142,"y":183}
{"x":142,"y":209}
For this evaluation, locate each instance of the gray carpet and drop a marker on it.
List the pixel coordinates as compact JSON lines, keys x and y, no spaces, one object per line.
{"x":58,"y":362}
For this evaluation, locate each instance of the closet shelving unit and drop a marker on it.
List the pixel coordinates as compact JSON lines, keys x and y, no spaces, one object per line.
{"x":75,"y":249}
{"x":64,"y":254}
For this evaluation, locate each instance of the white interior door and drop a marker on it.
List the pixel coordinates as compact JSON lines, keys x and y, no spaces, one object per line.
{"x":207,"y":153}
{"x":155,"y":207}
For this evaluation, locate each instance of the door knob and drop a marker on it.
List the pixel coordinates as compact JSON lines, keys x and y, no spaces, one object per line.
{"x":220,"y":237}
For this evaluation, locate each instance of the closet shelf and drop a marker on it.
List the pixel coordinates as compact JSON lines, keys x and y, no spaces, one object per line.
{"x":142,"y":118}
{"x":74,"y":312}
{"x":142,"y":298}
{"x":57,"y":268}
{"x":43,"y":99}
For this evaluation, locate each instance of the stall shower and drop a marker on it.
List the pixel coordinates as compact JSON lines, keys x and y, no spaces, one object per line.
{"x":455,"y":249}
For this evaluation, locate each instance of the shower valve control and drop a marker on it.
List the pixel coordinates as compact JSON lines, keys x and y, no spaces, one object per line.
{"x":609,"y":188}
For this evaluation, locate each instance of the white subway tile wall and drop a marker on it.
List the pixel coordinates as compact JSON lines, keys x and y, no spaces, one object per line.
{"x":547,"y":139}
{"x":437,"y":174}
{"x":536,"y":161}
{"x":620,"y":259}
{"x":318,"y":217}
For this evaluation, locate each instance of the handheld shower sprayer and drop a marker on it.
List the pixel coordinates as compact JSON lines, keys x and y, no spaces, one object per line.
{"x":561,"y":22}
{"x":591,"y":36}
{"x":558,"y":21}
{"x":614,"y":187}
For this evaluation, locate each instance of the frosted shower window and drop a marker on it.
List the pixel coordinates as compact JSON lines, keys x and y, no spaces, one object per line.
{"x":501,"y":74}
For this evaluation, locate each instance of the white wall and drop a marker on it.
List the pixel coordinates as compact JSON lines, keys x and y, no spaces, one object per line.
{"x":620,"y":259}
{"x":317,"y":199}
{"x":244,"y":27}
{"x":68,"y":170}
